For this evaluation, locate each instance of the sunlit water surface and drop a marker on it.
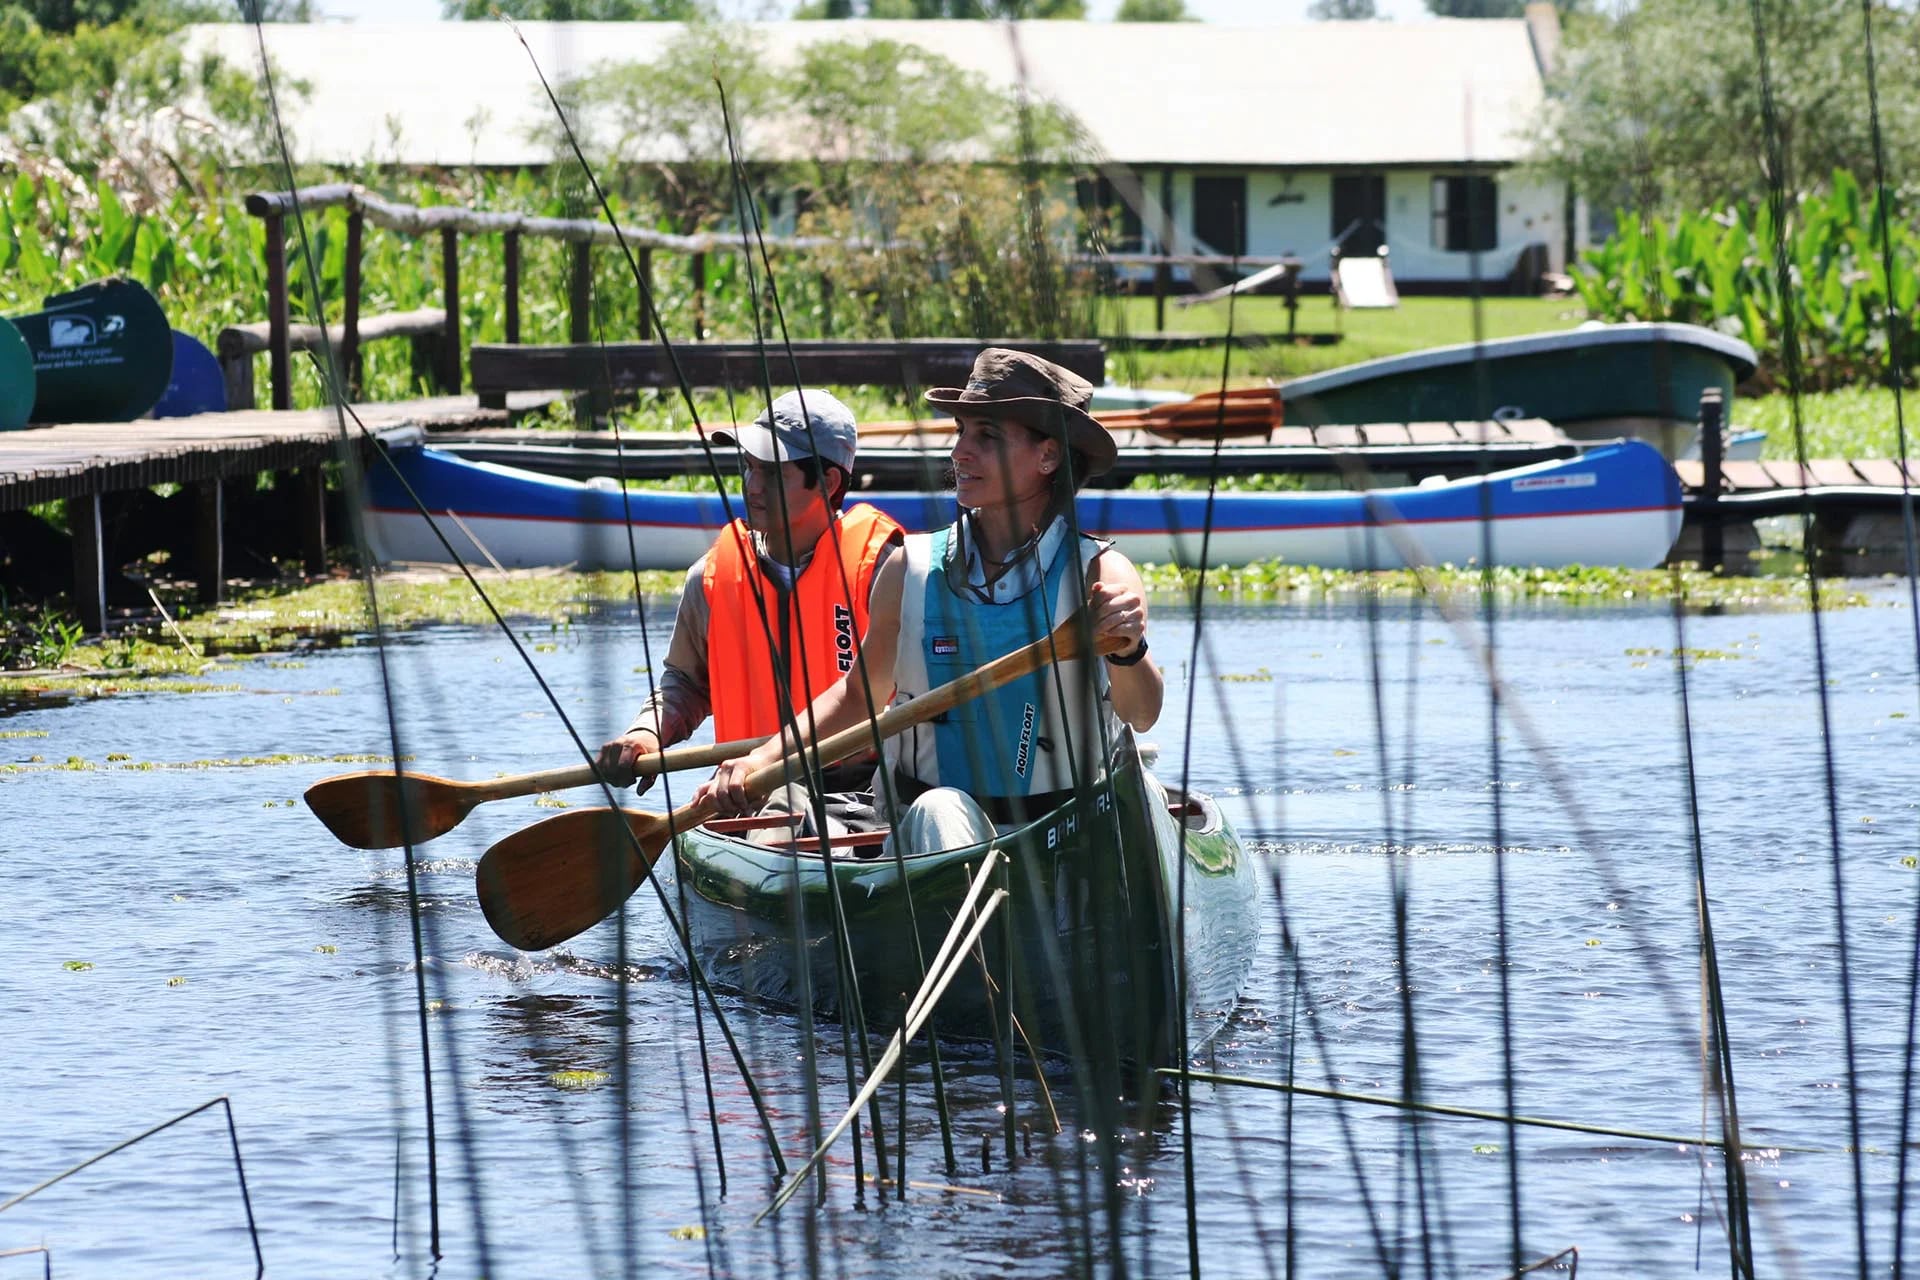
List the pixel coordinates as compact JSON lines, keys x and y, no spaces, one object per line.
{"x":237,"y":949}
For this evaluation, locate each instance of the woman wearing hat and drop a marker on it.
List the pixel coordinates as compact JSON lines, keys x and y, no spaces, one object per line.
{"x":1009,"y":570}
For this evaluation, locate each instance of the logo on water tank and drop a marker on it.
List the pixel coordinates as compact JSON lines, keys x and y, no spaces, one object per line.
{"x":70,"y":331}
{"x":79,"y":331}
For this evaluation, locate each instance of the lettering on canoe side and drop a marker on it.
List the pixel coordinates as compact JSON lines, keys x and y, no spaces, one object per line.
{"x":1023,"y":758}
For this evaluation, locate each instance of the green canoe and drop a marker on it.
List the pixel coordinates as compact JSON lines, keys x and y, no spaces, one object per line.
{"x":1598,"y":381}
{"x":1085,"y":942}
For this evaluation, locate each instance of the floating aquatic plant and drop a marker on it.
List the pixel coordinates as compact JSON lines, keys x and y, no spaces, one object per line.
{"x":77,"y":966}
{"x":579,"y":1079}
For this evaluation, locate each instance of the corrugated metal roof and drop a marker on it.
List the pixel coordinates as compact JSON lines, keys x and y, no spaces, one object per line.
{"x":1306,"y":94}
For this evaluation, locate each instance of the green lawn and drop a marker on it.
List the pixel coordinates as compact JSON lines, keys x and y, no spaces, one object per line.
{"x":1415,"y":324}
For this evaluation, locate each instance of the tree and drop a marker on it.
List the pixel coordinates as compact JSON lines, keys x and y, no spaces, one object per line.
{"x":1661,"y":109}
{"x":1156,"y":11}
{"x":1342,"y":10}
{"x":942,"y":9}
{"x":1500,"y":8}
{"x":579,"y":10}
{"x":660,"y":122}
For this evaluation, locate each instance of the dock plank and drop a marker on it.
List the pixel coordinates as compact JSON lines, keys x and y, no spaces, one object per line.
{"x":1882,"y":472}
{"x":1832,"y":471}
{"x":1742,"y":476}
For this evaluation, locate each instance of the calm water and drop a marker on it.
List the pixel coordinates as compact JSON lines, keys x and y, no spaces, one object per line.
{"x":296,"y":984}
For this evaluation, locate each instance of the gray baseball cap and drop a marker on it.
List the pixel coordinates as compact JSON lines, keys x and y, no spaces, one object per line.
{"x":800,"y":424}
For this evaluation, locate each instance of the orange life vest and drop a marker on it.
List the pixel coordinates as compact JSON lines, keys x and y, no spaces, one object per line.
{"x":828,"y":609}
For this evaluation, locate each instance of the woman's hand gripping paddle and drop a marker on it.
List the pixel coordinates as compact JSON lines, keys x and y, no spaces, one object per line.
{"x":381,"y":809}
{"x":558,"y":878}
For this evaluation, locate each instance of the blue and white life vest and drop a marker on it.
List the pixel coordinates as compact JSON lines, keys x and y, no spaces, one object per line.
{"x":1025,"y":738}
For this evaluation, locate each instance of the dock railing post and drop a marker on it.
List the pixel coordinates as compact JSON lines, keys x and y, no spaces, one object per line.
{"x":580,"y":295}
{"x":349,"y":354}
{"x":450,"y":376}
{"x":279,"y":350}
{"x":1713,"y":416}
{"x":697,"y":273}
{"x":645,"y":327}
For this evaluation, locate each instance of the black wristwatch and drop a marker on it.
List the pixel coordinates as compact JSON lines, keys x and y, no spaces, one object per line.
{"x":1131,"y":658}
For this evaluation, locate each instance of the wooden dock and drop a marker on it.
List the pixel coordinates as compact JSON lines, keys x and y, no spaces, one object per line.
{"x":86,"y":464}
{"x":1857,"y":504}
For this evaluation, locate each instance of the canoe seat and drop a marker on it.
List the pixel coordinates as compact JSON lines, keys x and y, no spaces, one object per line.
{"x":851,"y":841}
{"x":751,"y":822}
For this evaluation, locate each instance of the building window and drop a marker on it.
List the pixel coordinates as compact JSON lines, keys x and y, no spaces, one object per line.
{"x":1466,"y":214}
{"x":1220,"y":215}
{"x":1108,"y":223}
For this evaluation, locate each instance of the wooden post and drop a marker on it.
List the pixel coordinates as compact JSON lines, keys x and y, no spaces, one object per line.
{"x":513,"y":285}
{"x":89,"y":561}
{"x":646,"y":294}
{"x":279,"y":353}
{"x":349,"y":353}
{"x":580,"y":295}
{"x":1163,"y":270}
{"x":697,"y":270}
{"x":210,"y":568}
{"x":1713,"y":414}
{"x":1162,"y":277}
{"x":498,"y":399}
{"x":450,"y":299}
{"x":1292,"y":294}
{"x":313,"y":519}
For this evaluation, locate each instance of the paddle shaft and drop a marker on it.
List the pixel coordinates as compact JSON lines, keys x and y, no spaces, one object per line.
{"x":582,"y":775}
{"x":1061,"y":645}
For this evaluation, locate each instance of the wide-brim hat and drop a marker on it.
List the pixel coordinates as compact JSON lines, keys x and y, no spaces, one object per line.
{"x":1021,"y":387}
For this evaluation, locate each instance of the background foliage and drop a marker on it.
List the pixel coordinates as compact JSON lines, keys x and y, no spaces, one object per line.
{"x":1659,"y":107}
{"x":1716,"y":267}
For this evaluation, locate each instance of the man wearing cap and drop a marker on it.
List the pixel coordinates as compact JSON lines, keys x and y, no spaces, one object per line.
{"x":1009,"y":570}
{"x":783,"y":590}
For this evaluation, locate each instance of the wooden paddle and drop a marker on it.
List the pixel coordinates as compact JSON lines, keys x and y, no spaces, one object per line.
{"x":374,"y":809}
{"x":558,"y":878}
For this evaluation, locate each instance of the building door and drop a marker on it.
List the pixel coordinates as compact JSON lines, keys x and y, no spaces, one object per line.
{"x":1220,"y":214}
{"x":1359,"y":213}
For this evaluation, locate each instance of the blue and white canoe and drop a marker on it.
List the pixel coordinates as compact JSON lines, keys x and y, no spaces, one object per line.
{"x":1615,"y":505}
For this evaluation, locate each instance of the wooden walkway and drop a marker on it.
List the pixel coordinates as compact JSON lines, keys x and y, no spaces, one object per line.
{"x":1754,"y":484}
{"x":84,"y":463}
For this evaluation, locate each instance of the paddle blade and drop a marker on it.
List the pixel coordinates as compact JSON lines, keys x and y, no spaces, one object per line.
{"x":558,"y":878}
{"x":373,"y":810}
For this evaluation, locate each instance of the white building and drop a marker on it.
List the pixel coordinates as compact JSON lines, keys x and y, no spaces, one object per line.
{"x":1261,"y":141}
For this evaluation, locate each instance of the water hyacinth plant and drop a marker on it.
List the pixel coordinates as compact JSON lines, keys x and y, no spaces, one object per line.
{"x":1715,"y":267}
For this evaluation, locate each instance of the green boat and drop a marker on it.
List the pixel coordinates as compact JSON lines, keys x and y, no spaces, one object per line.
{"x":1596,"y":382}
{"x":1085,"y":942}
